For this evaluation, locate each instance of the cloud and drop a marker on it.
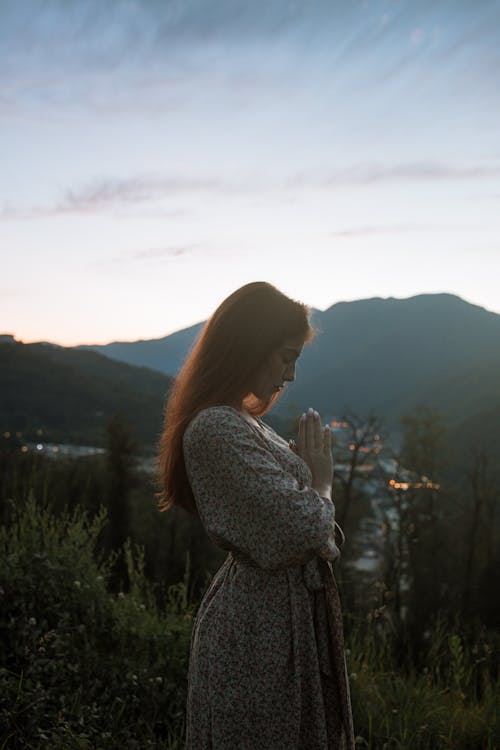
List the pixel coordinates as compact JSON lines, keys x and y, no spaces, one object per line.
{"x":168,"y":44}
{"x":388,"y":229}
{"x":422,"y":171}
{"x":14,"y":213}
{"x":151,"y":254}
{"x":111,"y":194}
{"x":368,"y":231}
{"x":163,"y":252}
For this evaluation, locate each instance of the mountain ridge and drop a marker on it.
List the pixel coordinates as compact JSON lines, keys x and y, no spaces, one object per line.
{"x":385,"y":355}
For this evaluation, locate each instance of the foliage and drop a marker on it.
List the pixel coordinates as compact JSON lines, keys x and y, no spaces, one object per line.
{"x":81,"y":668}
{"x":450,"y":702}
{"x":166,"y":537}
{"x":425,"y":442}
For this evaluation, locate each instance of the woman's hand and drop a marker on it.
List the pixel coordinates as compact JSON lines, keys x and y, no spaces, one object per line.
{"x":315,"y":448}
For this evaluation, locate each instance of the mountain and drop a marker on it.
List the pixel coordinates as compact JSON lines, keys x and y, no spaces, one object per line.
{"x":165,"y":355}
{"x":383,"y":355}
{"x":386,"y":356}
{"x":390,"y":355}
{"x":71,"y":394}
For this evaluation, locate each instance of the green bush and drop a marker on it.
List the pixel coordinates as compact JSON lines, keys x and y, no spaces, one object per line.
{"x":81,"y":668}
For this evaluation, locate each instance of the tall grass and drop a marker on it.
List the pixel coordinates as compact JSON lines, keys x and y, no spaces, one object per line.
{"x":81,"y":668}
{"x":451,"y":702}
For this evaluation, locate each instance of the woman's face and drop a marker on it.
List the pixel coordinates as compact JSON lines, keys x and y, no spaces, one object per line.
{"x":279,"y":368}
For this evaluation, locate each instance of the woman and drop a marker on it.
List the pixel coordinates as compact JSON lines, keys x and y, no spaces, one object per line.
{"x":267,"y":667}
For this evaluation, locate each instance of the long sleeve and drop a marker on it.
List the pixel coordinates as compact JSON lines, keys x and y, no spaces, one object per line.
{"x":247,"y":501}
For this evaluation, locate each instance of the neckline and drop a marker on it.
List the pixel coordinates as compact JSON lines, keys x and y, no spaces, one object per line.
{"x":260,"y":423}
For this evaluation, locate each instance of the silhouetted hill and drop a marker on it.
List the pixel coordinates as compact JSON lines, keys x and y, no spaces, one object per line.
{"x":392,"y":355}
{"x":165,"y":355}
{"x":71,"y":394}
{"x":386,"y":355}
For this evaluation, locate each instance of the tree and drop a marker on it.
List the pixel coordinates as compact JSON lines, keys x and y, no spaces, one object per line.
{"x":360,"y":447}
{"x":417,"y":559}
{"x":480,"y":532}
{"x":120,"y":463}
{"x":424,"y":448}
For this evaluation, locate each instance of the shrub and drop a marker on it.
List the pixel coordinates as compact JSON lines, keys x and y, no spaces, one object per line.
{"x":79,"y":667}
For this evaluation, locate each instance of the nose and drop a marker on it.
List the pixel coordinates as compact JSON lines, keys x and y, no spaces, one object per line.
{"x":290,"y":373}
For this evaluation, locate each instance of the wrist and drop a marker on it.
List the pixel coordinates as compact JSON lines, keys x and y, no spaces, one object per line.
{"x":324,"y":491}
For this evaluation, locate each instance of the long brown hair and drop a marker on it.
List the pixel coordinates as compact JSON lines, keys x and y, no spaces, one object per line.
{"x":233,"y":344}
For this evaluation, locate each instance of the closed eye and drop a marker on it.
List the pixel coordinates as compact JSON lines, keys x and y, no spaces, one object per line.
{"x":287,"y":360}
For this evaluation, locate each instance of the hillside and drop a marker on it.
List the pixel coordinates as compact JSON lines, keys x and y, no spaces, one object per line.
{"x":386,"y":355}
{"x":391,"y":355}
{"x":71,"y":394}
{"x":165,"y":355}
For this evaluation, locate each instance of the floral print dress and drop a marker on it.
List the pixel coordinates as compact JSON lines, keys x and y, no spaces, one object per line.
{"x":267,"y":668}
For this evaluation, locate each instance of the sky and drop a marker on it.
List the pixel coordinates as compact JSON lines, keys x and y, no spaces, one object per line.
{"x":157,"y":155}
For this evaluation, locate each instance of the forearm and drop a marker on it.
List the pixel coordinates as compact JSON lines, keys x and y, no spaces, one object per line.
{"x":332,"y":550}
